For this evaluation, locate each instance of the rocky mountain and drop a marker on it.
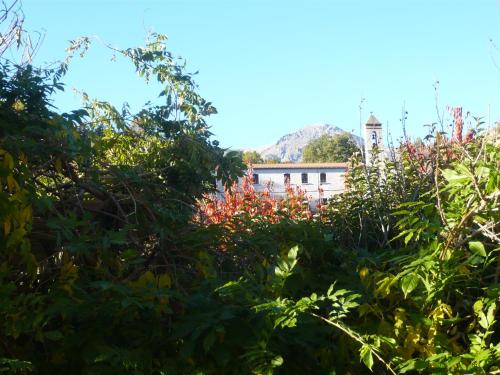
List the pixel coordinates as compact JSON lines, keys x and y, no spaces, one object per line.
{"x":290,"y":146}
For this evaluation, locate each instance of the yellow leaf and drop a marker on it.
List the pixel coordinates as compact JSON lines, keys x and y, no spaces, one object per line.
{"x":441,"y":312}
{"x":412,"y":342}
{"x":431,"y":334}
{"x":6,"y":227}
{"x":163,"y":300}
{"x":145,"y":279}
{"x":58,"y":165}
{"x":463,"y":269}
{"x":69,"y":274}
{"x":164,"y":281}
{"x":399,"y":321}
{"x":26,"y":214}
{"x":8,"y":161}
{"x":384,"y":286}
{"x":363,"y":272}
{"x":58,"y":358}
{"x":18,"y":105}
{"x":12,"y":183}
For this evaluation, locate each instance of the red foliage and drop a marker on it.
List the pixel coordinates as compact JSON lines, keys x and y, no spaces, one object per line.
{"x":459,"y":123}
{"x":241,"y":203}
{"x":419,"y":153}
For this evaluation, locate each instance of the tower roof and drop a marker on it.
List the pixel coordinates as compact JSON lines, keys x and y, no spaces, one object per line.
{"x":372,"y":120}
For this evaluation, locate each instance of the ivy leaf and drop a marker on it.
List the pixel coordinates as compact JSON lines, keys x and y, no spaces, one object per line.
{"x":409,"y":283}
{"x":478,"y":248}
{"x":366,"y":355}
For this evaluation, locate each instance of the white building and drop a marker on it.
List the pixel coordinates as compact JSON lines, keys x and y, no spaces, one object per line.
{"x":317,"y":180}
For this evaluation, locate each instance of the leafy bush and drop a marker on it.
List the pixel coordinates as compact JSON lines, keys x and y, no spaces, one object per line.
{"x":106,"y":265}
{"x":94,"y":208}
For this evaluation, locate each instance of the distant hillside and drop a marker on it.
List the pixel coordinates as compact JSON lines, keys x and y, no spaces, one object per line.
{"x":290,"y":146}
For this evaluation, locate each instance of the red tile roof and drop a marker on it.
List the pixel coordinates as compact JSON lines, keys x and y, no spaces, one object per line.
{"x":300,"y":166}
{"x":372,"y":120}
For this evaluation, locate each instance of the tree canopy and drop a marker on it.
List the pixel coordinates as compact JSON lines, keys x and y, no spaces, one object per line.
{"x":252,"y":157}
{"x":328,"y":148}
{"x":272,"y":159}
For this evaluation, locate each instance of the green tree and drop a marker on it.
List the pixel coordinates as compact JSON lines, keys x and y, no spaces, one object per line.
{"x":273,"y":159}
{"x":328,"y":148}
{"x":252,"y":157}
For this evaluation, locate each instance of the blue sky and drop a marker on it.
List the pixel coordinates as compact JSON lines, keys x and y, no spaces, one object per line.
{"x":271,"y":67}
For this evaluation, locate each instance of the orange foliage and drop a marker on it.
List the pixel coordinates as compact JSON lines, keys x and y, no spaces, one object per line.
{"x":242,"y":203}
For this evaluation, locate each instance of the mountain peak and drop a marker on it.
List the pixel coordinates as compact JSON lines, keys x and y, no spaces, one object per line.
{"x":289,"y":147}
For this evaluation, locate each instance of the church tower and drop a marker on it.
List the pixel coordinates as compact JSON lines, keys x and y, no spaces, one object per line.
{"x":373,"y":136}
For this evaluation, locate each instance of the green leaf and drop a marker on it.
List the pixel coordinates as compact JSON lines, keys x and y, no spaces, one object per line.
{"x":54,"y":335}
{"x":478,"y":248}
{"x":412,"y":364}
{"x":408,"y":238}
{"x":409,"y":283}
{"x":277,"y":361}
{"x":366,"y":355}
{"x":209,"y":341}
{"x":292,"y":253}
{"x":453,"y":177}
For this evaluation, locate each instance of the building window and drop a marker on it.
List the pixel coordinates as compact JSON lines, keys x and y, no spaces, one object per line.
{"x":322,"y":178}
{"x":304,"y":178}
{"x":286,"y":178}
{"x":255,"y":179}
{"x":374,"y":138}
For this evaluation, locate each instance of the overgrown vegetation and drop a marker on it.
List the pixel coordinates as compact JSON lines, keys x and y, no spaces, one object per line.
{"x":109,"y":264}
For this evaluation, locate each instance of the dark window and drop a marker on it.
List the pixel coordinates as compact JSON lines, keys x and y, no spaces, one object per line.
{"x":322,"y":178}
{"x":255,"y":178}
{"x":286,"y":178}
{"x":304,"y":178}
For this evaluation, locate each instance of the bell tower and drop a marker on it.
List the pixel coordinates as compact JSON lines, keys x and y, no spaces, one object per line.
{"x":373,"y":136}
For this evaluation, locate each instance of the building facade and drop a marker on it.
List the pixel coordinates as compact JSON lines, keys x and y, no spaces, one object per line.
{"x":317,"y":180}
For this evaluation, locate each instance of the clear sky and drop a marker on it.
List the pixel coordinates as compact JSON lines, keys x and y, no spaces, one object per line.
{"x":273,"y":66}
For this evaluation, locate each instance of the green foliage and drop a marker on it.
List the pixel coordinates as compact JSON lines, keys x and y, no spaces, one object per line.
{"x":95,"y":207}
{"x":330,"y":148}
{"x":252,"y":157}
{"x":104,"y":267}
{"x":272,"y":159}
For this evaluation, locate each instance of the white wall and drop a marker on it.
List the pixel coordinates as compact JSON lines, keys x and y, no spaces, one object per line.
{"x":334,"y":180}
{"x":274,"y":178}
